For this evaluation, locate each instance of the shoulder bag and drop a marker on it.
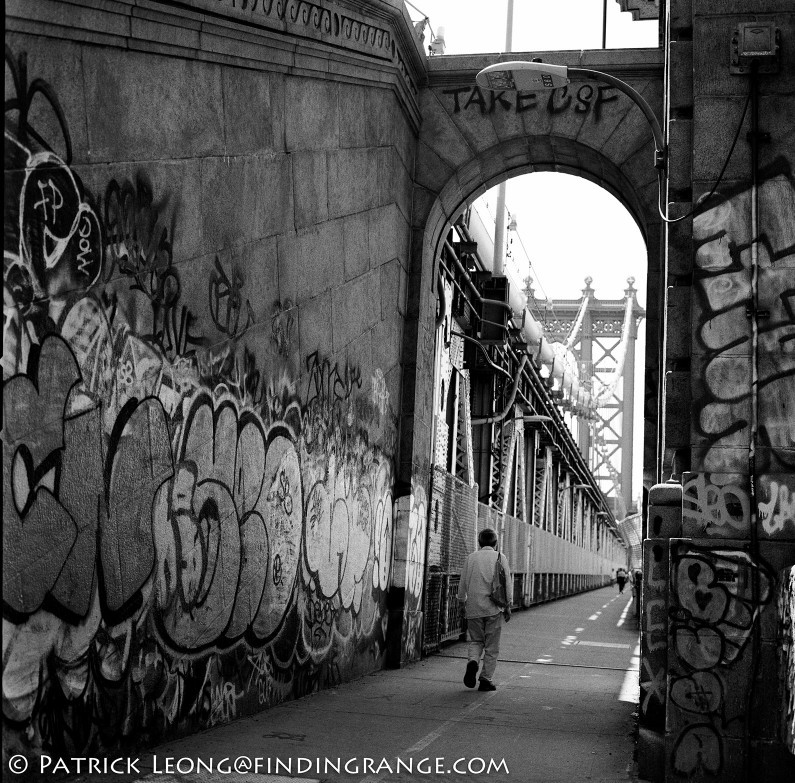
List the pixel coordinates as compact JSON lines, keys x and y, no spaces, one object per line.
{"x":499,"y":592}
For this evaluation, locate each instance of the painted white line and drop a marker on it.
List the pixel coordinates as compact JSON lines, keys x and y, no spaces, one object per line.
{"x":423,"y":742}
{"x":630,"y":688}
{"x":595,"y":616}
{"x":569,"y":640}
{"x":604,"y":644}
{"x":624,"y":614}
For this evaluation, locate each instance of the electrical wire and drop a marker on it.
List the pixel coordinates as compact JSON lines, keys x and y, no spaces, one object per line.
{"x":527,"y":370}
{"x":700,"y":207}
{"x":537,"y":279}
{"x":549,"y":308}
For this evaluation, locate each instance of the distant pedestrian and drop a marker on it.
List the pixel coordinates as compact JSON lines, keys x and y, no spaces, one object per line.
{"x":635,"y":579}
{"x":484,"y":617}
{"x":621,"y":578}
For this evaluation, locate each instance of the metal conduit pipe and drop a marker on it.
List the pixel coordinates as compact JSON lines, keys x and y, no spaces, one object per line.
{"x":484,"y":352}
{"x":574,"y":457}
{"x":535,"y":380}
{"x":553,"y":416}
{"x":754,"y":423}
{"x":533,"y":333}
{"x":494,"y":418}
{"x":533,"y":330}
{"x":443,"y":267}
{"x":460,"y":267}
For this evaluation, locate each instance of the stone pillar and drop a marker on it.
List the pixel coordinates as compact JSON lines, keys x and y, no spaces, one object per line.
{"x":404,"y":631}
{"x":413,"y":486}
{"x":664,"y":522}
{"x":719,"y":560}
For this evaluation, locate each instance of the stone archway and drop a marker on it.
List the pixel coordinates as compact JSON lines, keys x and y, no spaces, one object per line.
{"x":472,"y":139}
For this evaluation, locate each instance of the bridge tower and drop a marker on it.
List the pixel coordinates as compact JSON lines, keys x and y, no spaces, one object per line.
{"x":592,"y":329}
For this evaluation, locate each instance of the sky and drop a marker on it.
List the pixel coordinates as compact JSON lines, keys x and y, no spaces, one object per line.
{"x":568,"y":227}
{"x":472,"y":26}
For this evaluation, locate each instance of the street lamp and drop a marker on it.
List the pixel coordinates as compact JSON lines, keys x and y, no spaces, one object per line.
{"x":522,"y":75}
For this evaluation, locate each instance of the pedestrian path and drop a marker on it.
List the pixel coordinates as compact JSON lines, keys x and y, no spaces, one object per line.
{"x":562,"y":711}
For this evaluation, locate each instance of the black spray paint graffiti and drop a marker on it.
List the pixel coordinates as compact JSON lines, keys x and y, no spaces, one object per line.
{"x":138,"y":246}
{"x":177,"y":550}
{"x":221,"y":529}
{"x":722,"y":286}
{"x":786,"y":610}
{"x":226,"y":301}
{"x":282,"y":326}
{"x":722,"y":398}
{"x":718,"y":597}
{"x":330,"y":384}
{"x":53,"y":237}
{"x":586,"y":99}
{"x":225,"y":516}
{"x":233,"y":370}
{"x":61,"y":499}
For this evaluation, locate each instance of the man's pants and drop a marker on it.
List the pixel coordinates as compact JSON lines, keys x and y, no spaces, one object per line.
{"x":484,"y":638}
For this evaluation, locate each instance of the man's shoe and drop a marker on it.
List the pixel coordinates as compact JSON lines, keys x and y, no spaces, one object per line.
{"x":471,"y":674}
{"x":486,"y":685}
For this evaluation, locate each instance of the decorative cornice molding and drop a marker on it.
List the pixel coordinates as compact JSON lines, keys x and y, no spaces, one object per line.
{"x":362,"y":40}
{"x":334,"y":23}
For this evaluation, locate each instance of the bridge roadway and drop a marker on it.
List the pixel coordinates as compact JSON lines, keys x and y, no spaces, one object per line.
{"x":563,"y":711}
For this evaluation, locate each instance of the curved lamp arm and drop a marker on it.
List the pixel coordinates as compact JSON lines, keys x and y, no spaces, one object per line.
{"x":640,"y":102}
{"x":521,"y":75}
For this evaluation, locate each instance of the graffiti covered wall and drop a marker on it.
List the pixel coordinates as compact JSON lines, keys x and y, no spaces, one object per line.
{"x":199,"y":429}
{"x":715,"y":679}
{"x":724,"y":622}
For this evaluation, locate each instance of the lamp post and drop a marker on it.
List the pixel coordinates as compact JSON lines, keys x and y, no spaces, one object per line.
{"x":523,"y":75}
{"x":499,"y":227}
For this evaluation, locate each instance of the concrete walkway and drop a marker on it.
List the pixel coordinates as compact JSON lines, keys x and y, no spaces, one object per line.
{"x":563,"y":711}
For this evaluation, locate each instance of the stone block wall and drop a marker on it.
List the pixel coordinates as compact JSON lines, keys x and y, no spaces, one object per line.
{"x":713,"y":695}
{"x":205,"y":283}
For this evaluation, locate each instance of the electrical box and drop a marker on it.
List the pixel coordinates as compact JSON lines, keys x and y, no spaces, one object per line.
{"x":755,"y":41}
{"x":494,"y":313}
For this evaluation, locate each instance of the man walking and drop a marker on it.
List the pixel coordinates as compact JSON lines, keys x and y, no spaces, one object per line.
{"x":484,"y":617}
